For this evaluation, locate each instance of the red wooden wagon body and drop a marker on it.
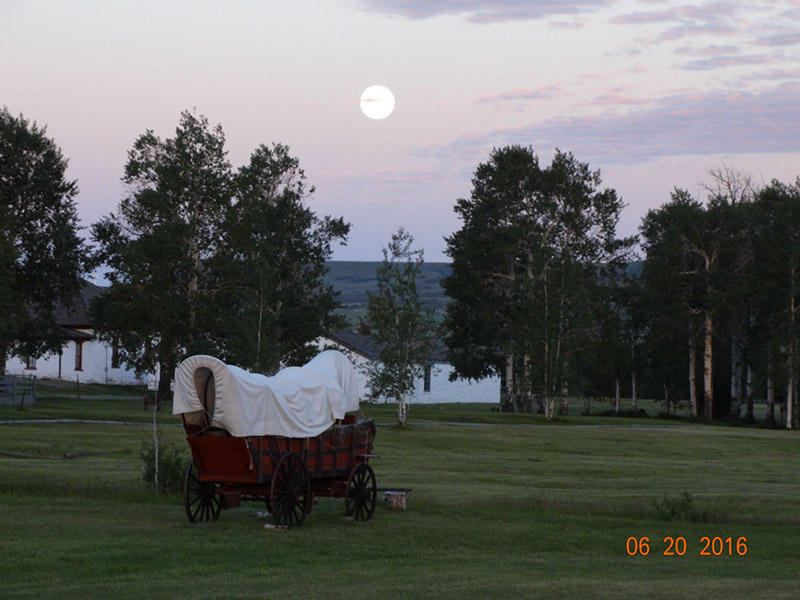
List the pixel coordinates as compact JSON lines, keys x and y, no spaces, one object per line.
{"x":284,"y":472}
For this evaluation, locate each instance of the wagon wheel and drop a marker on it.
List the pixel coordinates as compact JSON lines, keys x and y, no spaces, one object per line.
{"x":362,"y":493}
{"x":290,"y":492}
{"x":200,"y":497}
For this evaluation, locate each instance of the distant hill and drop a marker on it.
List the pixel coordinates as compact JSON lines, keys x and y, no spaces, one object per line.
{"x":354,"y":279}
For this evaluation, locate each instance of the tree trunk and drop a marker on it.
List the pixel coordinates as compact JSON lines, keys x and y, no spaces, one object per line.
{"x":563,"y":408}
{"x":749,"y":395}
{"x":692,"y":375}
{"x":549,"y":407}
{"x":164,"y":384}
{"x":634,"y":400}
{"x":737,"y":367}
{"x":770,"y":399}
{"x":510,"y":399}
{"x":708,"y":379}
{"x":402,"y":411}
{"x":616,"y":392}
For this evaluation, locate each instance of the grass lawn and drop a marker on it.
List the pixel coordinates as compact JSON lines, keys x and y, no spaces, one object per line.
{"x":540,"y":511}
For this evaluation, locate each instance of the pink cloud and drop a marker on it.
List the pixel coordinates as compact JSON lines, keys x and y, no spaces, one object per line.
{"x":478,"y":11}
{"x":520,"y":94}
{"x":696,"y":123}
{"x":707,"y":50}
{"x":718,"y":62}
{"x":788,"y":38}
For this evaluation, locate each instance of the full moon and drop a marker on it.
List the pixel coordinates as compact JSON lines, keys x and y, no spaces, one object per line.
{"x":377,"y":102}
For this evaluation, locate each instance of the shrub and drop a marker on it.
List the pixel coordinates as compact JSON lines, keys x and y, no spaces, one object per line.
{"x":684,"y":508}
{"x":172,"y":461}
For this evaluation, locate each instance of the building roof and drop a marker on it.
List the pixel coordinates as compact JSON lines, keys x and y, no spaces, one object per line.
{"x":366,"y":346}
{"x":76,"y":314}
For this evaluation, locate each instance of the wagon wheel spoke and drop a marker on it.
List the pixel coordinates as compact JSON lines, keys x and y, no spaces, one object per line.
{"x":290,"y":491}
{"x":362,"y":493}
{"x":200,"y":498}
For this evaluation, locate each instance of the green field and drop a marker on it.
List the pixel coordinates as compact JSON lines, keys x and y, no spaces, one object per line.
{"x":514,"y":508}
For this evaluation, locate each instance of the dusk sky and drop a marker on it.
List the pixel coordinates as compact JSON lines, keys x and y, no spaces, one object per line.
{"x":652,"y":93}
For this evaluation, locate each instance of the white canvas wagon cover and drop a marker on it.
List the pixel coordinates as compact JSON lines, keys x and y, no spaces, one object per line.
{"x":298,"y":402}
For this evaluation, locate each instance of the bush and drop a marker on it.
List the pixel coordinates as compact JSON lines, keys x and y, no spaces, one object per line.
{"x":684,"y":508}
{"x":172,"y":461}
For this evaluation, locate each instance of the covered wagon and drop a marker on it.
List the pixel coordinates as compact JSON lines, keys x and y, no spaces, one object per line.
{"x":281,"y":440}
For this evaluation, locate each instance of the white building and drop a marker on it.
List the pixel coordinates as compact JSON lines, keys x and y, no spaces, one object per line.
{"x":83,"y":357}
{"x":433,"y":388}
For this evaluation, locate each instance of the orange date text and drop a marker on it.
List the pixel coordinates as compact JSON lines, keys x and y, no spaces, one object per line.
{"x":677,"y":546}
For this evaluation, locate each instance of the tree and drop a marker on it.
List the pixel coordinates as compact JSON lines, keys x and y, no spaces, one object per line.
{"x":273,"y":265}
{"x":212,"y":261}
{"x":42,"y":256}
{"x":731,"y":193}
{"x":777,"y":256}
{"x":400,"y":325}
{"x":528,"y":265}
{"x":161,"y":301}
{"x":683,"y":248}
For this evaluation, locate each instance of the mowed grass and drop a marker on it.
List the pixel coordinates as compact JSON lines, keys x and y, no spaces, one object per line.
{"x":530,"y":511}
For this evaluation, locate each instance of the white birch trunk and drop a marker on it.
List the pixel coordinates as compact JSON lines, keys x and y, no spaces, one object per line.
{"x":402,"y":411}
{"x":510,"y":381}
{"x":708,"y":379}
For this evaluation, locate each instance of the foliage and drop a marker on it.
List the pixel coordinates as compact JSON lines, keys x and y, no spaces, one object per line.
{"x":172,"y":460}
{"x":158,"y":243}
{"x":400,"y":326}
{"x":721,"y":281}
{"x":529,"y":265}
{"x":212,"y":261}
{"x":42,"y":256}
{"x":273,"y":264}
{"x":684,"y":508}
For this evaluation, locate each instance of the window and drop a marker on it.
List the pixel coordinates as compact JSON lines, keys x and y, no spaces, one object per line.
{"x":426,"y":385}
{"x":30,"y":362}
{"x":79,"y":356}
{"x":115,"y":354}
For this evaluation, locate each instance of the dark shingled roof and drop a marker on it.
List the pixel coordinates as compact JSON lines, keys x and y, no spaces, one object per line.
{"x":76,"y":314}
{"x":367,"y":347}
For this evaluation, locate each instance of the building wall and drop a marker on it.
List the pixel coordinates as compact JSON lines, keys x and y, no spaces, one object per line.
{"x":441,"y":390}
{"x":96,"y":365}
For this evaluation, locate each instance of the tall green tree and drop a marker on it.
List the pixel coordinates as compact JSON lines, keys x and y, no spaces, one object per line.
{"x":400,"y":325}
{"x":161,"y":303}
{"x":777,"y":320}
{"x":42,"y":257}
{"x":207,"y":260}
{"x":528,"y":266}
{"x":273,"y":264}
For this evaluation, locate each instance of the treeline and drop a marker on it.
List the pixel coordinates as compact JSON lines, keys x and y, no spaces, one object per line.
{"x":207,"y":258}
{"x":543,"y":294}
{"x":202,"y":257}
{"x":718,"y":297}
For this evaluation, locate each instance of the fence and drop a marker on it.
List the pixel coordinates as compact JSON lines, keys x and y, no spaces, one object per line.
{"x":17,"y":390}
